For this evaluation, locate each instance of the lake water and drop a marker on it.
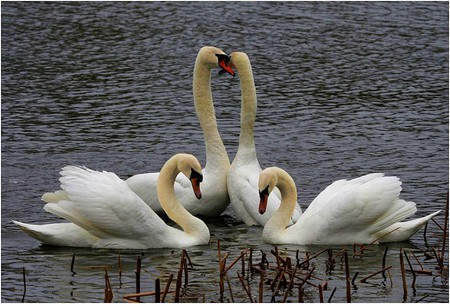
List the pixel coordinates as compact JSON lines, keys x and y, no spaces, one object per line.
{"x":344,"y":89}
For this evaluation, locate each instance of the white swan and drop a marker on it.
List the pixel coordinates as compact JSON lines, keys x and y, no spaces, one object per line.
{"x":244,"y":172}
{"x":215,"y":196}
{"x":360,"y":210}
{"x":105,"y":213}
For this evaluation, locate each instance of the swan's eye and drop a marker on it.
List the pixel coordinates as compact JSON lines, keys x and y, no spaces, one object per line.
{"x":196,"y":175}
{"x":264,"y":192}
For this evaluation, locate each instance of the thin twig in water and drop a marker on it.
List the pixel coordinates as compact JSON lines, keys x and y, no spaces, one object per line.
{"x":24,"y":284}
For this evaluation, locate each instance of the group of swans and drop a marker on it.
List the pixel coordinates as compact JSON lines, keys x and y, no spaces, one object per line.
{"x":107,"y":212}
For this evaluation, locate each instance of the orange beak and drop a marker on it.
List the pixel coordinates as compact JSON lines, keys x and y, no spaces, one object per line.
{"x":263,"y":198}
{"x":224,"y":63}
{"x":196,"y":178}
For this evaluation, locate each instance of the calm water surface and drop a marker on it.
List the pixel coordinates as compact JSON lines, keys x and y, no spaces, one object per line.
{"x":344,"y":89}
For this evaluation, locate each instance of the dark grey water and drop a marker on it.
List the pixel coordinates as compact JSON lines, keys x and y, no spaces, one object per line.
{"x":344,"y":89}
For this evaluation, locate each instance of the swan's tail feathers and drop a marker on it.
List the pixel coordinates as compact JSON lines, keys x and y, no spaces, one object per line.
{"x":400,"y":210}
{"x":60,"y":234}
{"x":403,"y":231}
{"x":54,"y":197}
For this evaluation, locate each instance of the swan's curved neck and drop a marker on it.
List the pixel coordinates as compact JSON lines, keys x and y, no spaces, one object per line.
{"x":170,"y":204}
{"x":281,"y":218}
{"x":248,"y":106}
{"x":216,"y":153}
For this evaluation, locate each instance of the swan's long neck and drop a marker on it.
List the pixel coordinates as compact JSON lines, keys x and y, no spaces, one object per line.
{"x":248,"y":107}
{"x":172,"y":207}
{"x":216,"y":154}
{"x":276,"y":225}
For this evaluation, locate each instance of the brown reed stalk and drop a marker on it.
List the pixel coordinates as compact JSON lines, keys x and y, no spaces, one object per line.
{"x":138,"y":276}
{"x":250,"y":261}
{"x":347,"y":278}
{"x":72,"y":265}
{"x":229,"y":287}
{"x":374,"y":241}
{"x":246,"y":289}
{"x":445,"y":230}
{"x":300,"y":286}
{"x":96,"y":267}
{"x":275,"y":292}
{"x":108,"y":291}
{"x":383,"y":264}
{"x":120,"y":268}
{"x":178,"y":285}
{"x":332,"y":294}
{"x":402,"y":268}
{"x":261,"y":288}
{"x":437,"y":224}
{"x":243,"y":262}
{"x":166,"y":290}
{"x":320,"y":293}
{"x":237,"y":260}
{"x":291,"y":283}
{"x":277,"y":256}
{"x":310,"y":258}
{"x":183,"y":264}
{"x":363,"y":280}
{"x":354,"y":278}
{"x":157,"y":291}
{"x":24,"y":284}
{"x":221,"y":270}
{"x":413,"y":284}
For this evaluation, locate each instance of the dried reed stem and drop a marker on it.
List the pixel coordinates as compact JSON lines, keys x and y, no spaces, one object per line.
{"x":166,"y":290}
{"x":347,"y":278}
{"x":178,"y":285}
{"x":120,"y":269}
{"x":157,"y":291}
{"x":332,"y":294}
{"x":413,"y":284}
{"x":445,"y":230}
{"x":261,"y":288}
{"x":291,"y":283}
{"x":24,"y":284}
{"x":402,"y":268}
{"x":138,"y":276}
{"x":320,"y":293}
{"x":247,"y":290}
{"x":374,"y":241}
{"x":374,"y":274}
{"x":108,"y":291}
{"x":383,"y":264}
{"x":72,"y":265}
{"x":229,"y":287}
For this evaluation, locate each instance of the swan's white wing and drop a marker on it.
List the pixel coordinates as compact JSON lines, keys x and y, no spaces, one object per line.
{"x":144,"y":185}
{"x":103,"y":204}
{"x":361,"y":206}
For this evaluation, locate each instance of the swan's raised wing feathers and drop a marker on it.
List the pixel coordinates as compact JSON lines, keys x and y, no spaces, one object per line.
{"x":102,"y":203}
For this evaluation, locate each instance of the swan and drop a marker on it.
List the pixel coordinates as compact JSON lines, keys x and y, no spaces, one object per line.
{"x":105,"y":213}
{"x":242,"y":179}
{"x":215,"y":196}
{"x":362,"y":210}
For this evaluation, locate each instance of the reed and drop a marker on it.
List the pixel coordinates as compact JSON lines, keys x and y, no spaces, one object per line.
{"x":24,"y":285}
{"x":347,"y":278}
{"x":166,"y":290}
{"x":402,"y":269}
{"x":108,"y":290}
{"x":374,"y":274}
{"x":72,"y":265}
